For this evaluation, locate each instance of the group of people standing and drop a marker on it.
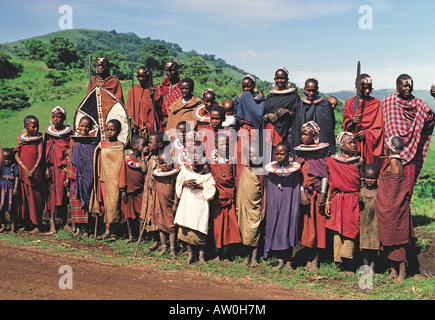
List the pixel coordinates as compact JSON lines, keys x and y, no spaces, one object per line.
{"x":265,"y":172}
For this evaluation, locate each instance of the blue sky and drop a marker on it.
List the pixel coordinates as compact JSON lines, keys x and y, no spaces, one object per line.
{"x":312,"y":38}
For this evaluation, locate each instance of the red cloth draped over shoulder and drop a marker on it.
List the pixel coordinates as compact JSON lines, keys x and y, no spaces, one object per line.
{"x":371,"y":123}
{"x":111,"y":84}
{"x":143,"y":115}
{"x":392,"y":210}
{"x":54,"y":149}
{"x":344,"y":183}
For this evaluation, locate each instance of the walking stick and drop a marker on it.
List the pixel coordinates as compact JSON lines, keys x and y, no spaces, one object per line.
{"x":140,"y":239}
{"x":96,"y":224}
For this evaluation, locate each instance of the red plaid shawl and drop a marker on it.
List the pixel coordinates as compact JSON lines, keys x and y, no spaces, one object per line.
{"x":406,"y":119}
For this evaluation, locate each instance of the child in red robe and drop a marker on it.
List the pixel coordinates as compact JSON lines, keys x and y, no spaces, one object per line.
{"x":223,"y":207}
{"x":312,"y":155}
{"x":342,"y":200}
{"x":29,"y":155}
{"x":131,"y":183}
{"x":57,"y":140}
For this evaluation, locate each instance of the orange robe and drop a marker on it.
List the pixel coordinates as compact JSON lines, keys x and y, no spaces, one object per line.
{"x":222,"y":207}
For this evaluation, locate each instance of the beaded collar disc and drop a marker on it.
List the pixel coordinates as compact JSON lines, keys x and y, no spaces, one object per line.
{"x":158,"y":172}
{"x":274,"y":168}
{"x":344,"y":158}
{"x":312,"y":147}
{"x":51,"y":131}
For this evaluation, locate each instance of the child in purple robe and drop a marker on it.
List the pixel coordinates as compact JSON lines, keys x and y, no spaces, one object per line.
{"x":283,"y":199}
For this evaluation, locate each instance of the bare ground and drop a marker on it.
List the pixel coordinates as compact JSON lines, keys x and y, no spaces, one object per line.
{"x":29,"y":273}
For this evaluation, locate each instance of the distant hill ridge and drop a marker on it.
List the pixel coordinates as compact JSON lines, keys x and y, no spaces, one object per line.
{"x":382,"y":93}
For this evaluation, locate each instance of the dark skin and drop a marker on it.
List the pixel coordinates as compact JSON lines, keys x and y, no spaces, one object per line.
{"x":394,"y":165}
{"x":186,"y":90}
{"x":182,"y":130}
{"x":32,"y":128}
{"x":371,"y":182}
{"x":405,"y":88}
{"x":103,"y":68}
{"x":216,"y":120}
{"x":144,"y":80}
{"x":281,"y":80}
{"x":432,"y":91}
{"x":84,"y":127}
{"x":112,"y":133}
{"x":311,"y":90}
{"x":228,"y":105}
{"x":248,"y":85}
{"x":307,"y":138}
{"x":333,"y":101}
{"x":208,"y":99}
{"x":200,"y":169}
{"x":282,"y":155}
{"x":172,"y":73}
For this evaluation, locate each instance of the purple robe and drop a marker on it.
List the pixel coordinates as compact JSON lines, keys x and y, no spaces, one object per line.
{"x":83,"y":158}
{"x":282,"y":212}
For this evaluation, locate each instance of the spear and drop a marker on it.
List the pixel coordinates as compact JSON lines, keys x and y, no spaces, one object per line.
{"x":132,"y":91}
{"x":358,"y":88}
{"x":89,"y":72}
{"x":154,"y":106}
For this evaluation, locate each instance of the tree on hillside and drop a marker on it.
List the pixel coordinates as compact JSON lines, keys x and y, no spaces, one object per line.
{"x":155,"y":57}
{"x":198,"y":69}
{"x":8,"y":69}
{"x":61,"y":53}
{"x":36,"y":48}
{"x":12,"y":98}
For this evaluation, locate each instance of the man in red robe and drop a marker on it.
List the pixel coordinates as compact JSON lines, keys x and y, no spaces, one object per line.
{"x":144,"y":110}
{"x":105,"y":80}
{"x":169,"y":88}
{"x":365,"y":123}
{"x":413,"y":120}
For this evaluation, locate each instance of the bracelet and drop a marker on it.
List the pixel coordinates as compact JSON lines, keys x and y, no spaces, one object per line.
{"x":36,"y":166}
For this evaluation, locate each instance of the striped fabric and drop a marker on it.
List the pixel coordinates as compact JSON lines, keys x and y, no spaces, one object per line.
{"x":406,"y":119}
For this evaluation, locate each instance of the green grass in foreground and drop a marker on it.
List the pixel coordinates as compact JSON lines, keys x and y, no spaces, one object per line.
{"x":327,"y":283}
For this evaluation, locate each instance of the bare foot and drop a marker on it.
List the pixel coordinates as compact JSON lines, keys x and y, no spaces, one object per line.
{"x":288,"y":265}
{"x":189,"y":258}
{"x":154,"y":245}
{"x":162,"y":251}
{"x":76,"y":233}
{"x":392,"y":275}
{"x":217,"y":259}
{"x":279,"y":266}
{"x":35,"y":231}
{"x":2,"y":227}
{"x":308,"y":266}
{"x":246,"y":261}
{"x":201,"y":259}
{"x":254,"y":263}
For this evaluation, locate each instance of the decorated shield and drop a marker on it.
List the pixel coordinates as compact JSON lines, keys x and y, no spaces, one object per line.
{"x":102,"y":106}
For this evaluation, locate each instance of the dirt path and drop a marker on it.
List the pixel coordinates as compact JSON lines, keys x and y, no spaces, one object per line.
{"x":30,"y":274}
